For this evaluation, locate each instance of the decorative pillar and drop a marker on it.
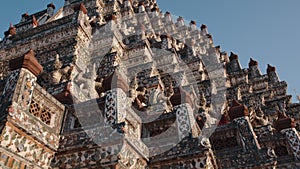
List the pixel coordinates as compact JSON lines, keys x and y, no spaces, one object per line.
{"x":115,"y":105}
{"x":186,"y":123}
{"x":234,"y":64}
{"x":238,"y":114}
{"x":271,"y":71}
{"x":20,"y":83}
{"x":116,"y":99}
{"x":25,"y":133}
{"x":133,"y":152}
{"x":286,"y":126}
{"x":253,"y":69}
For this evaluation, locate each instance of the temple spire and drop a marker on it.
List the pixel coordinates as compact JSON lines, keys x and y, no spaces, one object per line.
{"x":253,"y":69}
{"x":271,"y":71}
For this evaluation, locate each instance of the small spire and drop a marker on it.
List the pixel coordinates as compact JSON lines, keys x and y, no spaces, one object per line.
{"x":193,"y":22}
{"x":271,"y":69}
{"x":180,"y":19}
{"x":25,"y":14}
{"x":168,"y":16}
{"x":51,"y":5}
{"x":204,"y":30}
{"x":193,"y":25}
{"x":253,"y":62}
{"x":271,"y":72}
{"x":233,"y":56}
{"x":50,"y":9}
{"x":203,"y":26}
{"x":12,"y":29}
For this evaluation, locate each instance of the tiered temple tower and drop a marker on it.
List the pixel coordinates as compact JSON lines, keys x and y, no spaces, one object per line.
{"x":119,"y":84}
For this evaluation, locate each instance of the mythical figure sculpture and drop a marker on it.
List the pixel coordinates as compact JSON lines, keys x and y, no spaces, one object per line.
{"x":86,"y":80}
{"x":140,"y":99}
{"x":162,"y":97}
{"x":259,"y":119}
{"x":57,"y":75}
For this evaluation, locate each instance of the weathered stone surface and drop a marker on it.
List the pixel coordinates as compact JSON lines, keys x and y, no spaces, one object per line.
{"x":118,"y":84}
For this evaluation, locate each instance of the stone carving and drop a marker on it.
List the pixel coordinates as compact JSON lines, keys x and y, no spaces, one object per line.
{"x":58,"y":74}
{"x":87,"y":82}
{"x":140,"y":100}
{"x":158,"y":96}
{"x":258,"y":118}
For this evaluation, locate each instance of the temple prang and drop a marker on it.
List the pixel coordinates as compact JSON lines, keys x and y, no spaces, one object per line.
{"x":120,"y":84}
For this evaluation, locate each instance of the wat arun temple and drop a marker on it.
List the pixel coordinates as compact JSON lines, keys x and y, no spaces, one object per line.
{"x":120,"y":84}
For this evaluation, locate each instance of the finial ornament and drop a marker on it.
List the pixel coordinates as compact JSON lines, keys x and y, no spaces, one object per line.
{"x":253,"y":63}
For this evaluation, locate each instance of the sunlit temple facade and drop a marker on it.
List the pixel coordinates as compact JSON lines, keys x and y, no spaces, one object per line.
{"x":118,"y":84}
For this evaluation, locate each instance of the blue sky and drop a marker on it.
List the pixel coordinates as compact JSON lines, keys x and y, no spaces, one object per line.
{"x":268,"y":30}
